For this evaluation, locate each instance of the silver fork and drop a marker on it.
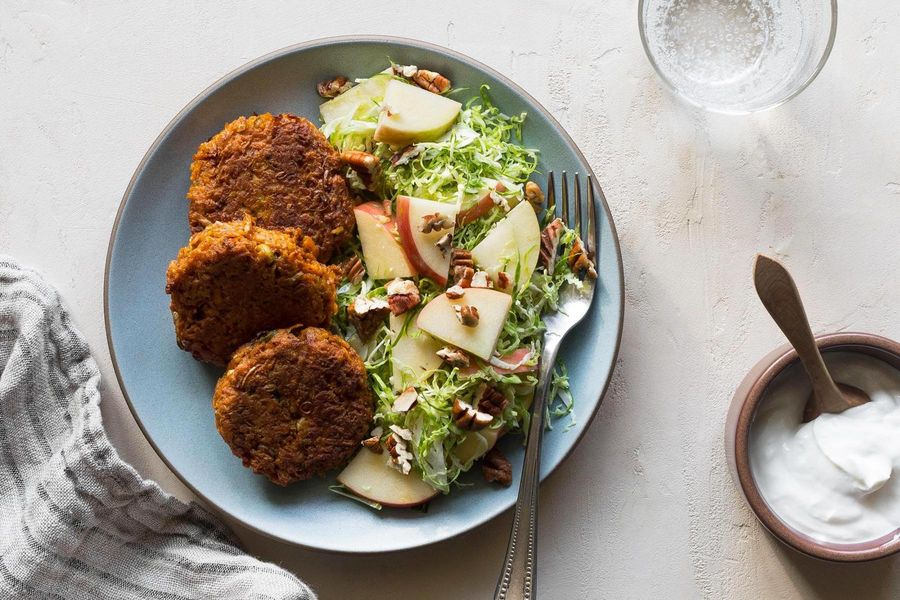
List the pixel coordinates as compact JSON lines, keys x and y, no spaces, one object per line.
{"x":518,"y":578}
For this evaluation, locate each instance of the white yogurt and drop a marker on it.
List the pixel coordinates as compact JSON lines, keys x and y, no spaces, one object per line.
{"x":833,"y":478}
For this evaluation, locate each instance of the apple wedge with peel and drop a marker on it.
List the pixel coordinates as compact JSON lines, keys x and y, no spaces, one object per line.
{"x":382,"y":253}
{"x":410,"y":114}
{"x":414,"y":355}
{"x":513,"y":244}
{"x":480,"y":207}
{"x":476,"y":445}
{"x":421,"y":247}
{"x":439,"y":318}
{"x":372,"y":477}
{"x":367,"y":94}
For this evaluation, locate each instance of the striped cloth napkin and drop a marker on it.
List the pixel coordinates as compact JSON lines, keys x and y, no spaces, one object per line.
{"x":76,"y":522}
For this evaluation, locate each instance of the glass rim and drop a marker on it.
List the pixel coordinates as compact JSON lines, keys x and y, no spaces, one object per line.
{"x":794,"y":92}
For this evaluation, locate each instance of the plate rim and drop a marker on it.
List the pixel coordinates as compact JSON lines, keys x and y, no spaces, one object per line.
{"x":327,"y":41}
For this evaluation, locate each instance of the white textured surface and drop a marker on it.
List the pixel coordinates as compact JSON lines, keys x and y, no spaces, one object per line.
{"x":645,"y":507}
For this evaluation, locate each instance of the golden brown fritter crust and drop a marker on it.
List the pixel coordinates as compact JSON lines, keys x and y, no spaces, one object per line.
{"x":294,"y":404}
{"x":280,"y":170}
{"x":235,"y":280}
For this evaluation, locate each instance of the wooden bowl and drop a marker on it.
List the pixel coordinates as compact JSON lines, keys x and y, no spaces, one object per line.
{"x":747,"y":398}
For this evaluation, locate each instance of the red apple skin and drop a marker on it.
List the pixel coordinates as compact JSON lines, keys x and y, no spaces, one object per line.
{"x":375,"y":208}
{"x":404,"y":228}
{"x":511,"y":358}
{"x":392,"y":504}
{"x":378,"y":209}
{"x":480,"y":208}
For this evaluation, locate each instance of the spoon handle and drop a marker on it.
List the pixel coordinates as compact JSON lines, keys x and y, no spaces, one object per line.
{"x":779,"y":295}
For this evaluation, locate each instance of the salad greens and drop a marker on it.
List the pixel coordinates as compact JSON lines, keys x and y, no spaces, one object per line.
{"x":480,"y":150}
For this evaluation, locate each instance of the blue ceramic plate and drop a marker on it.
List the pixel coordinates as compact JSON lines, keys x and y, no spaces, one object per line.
{"x":169,"y":392}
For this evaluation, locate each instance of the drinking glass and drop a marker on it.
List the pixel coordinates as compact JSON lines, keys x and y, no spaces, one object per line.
{"x":737,"y":56}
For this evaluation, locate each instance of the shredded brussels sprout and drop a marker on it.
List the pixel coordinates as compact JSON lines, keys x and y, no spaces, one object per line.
{"x":479,"y":152}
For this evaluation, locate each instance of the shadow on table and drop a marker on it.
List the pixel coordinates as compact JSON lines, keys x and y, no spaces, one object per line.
{"x":878,"y":580}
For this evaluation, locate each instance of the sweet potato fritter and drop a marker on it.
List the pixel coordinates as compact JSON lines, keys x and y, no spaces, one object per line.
{"x":280,"y":170}
{"x":294,"y":403}
{"x":235,"y":280}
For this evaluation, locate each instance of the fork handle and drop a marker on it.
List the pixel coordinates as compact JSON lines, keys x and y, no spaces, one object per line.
{"x":518,"y":580}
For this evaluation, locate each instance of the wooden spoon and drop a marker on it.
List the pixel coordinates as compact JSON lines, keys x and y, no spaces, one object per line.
{"x":779,"y":295}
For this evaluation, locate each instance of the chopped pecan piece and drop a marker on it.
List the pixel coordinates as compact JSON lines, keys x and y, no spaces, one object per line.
{"x":435,"y":222}
{"x":549,"y":244}
{"x":443,"y":244}
{"x":455,"y":292}
{"x":580,"y":262}
{"x":453,"y":357}
{"x":365,"y":165}
{"x":373,"y":444}
{"x":469,"y":418}
{"x":496,"y":467}
{"x":334,"y":87}
{"x":491,"y":401}
{"x":503,"y":280}
{"x":405,"y":155}
{"x":480,"y":280}
{"x":402,"y":295}
{"x":367,"y":315}
{"x":462,"y":276}
{"x":396,"y":445}
{"x":431,"y":81}
{"x":405,"y":401}
{"x":534,"y":194}
{"x":352,"y":269}
{"x":460,"y":259}
{"x":467,"y":314}
{"x":407,"y":71}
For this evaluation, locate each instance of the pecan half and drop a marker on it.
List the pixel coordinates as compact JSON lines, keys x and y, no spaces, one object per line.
{"x":453,"y":356}
{"x":467,"y":314}
{"x":549,"y":244}
{"x":469,"y":418}
{"x":491,"y":400}
{"x":334,"y":87}
{"x":496,"y":467}
{"x":461,"y":258}
{"x":367,"y":315}
{"x":580,"y":262}
{"x":431,"y":81}
{"x":534,"y":194}
{"x":365,"y":165}
{"x":435,"y":222}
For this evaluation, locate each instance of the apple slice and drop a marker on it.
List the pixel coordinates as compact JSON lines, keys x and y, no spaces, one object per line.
{"x":439,"y":319}
{"x":383,"y":254}
{"x":411,"y":114}
{"x":504,"y":365}
{"x":514,"y":242}
{"x":481,"y":206}
{"x":371,"y":476}
{"x":476,"y":445}
{"x":414,"y":355}
{"x":421,"y":248}
{"x":369,"y":92}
